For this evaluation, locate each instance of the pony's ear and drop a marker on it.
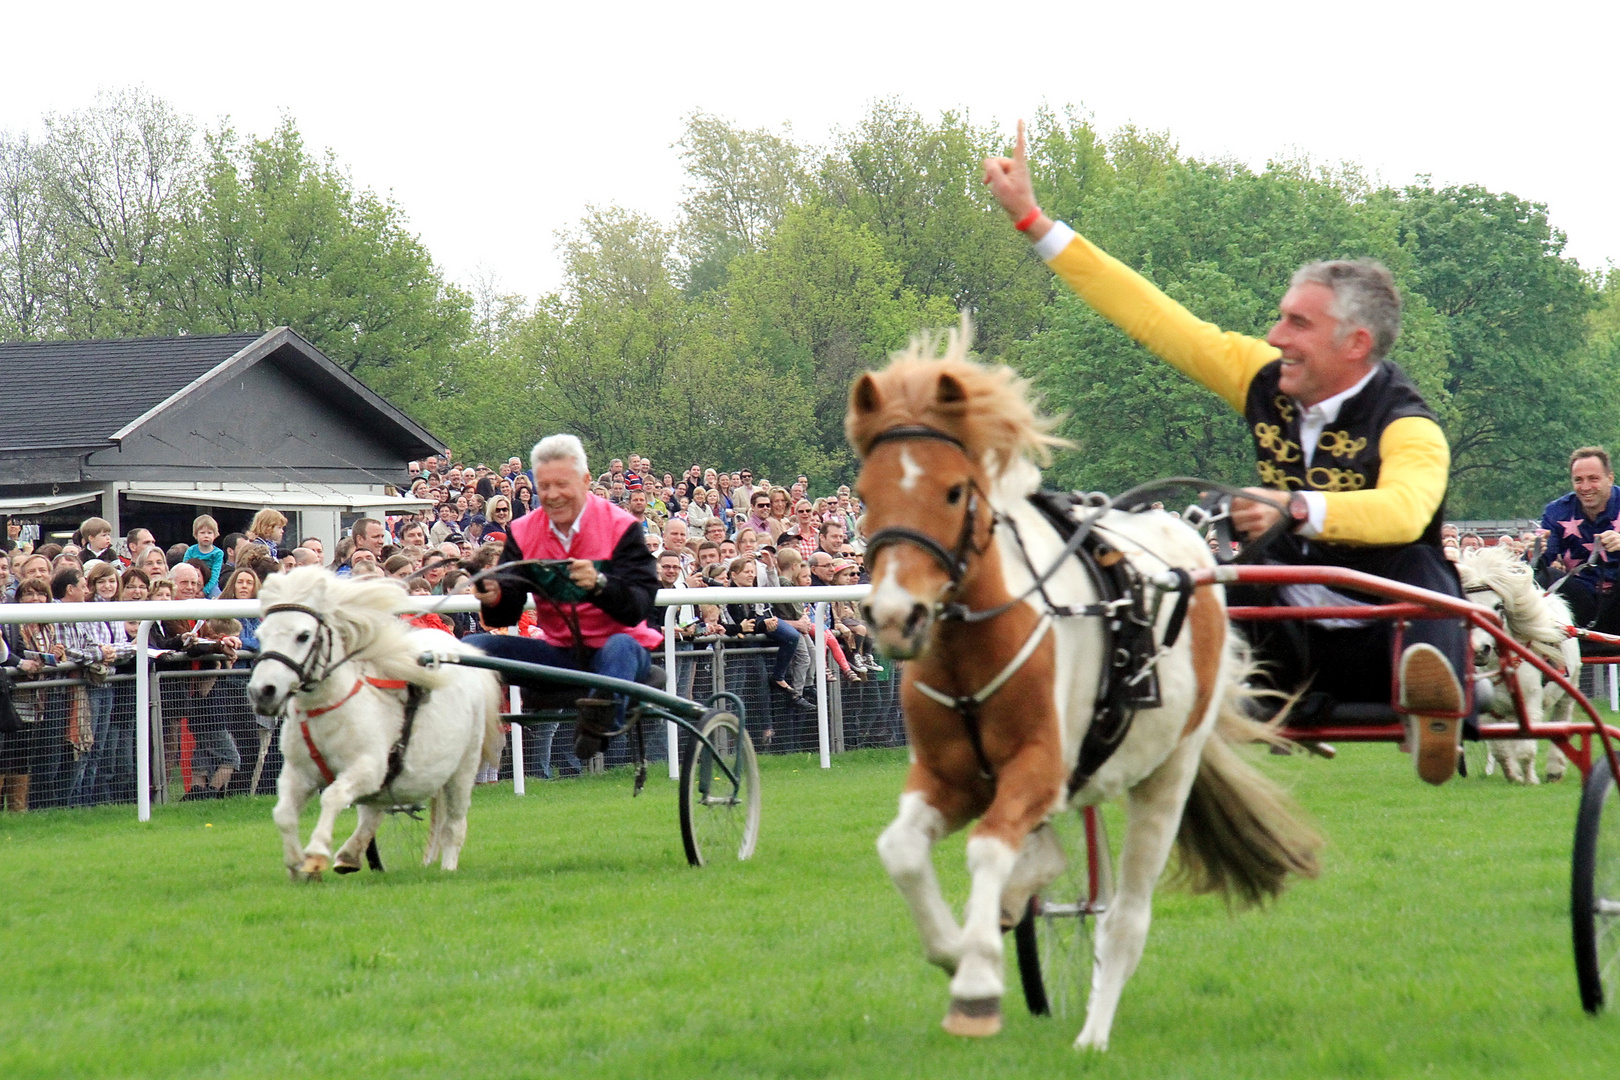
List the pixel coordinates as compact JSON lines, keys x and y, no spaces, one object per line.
{"x":950,"y":390}
{"x":864,"y":397}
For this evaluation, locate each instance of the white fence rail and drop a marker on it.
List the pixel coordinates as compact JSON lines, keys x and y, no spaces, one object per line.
{"x":147,"y":612}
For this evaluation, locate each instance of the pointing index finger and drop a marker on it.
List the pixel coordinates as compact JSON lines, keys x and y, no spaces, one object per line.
{"x":1018,"y":148}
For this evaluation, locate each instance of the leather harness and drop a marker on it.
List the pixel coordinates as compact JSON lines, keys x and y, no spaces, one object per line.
{"x":1129,"y":680}
{"x":308,"y":680}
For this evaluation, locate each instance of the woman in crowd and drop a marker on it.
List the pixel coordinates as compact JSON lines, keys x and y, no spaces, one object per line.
{"x":697,"y":510}
{"x":847,"y":622}
{"x":781,"y":515}
{"x":522,"y":496}
{"x":153,"y":563}
{"x":500,"y":513}
{"x":400,"y":566}
{"x":243,"y":584}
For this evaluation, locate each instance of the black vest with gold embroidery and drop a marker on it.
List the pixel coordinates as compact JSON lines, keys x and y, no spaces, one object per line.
{"x":1346,"y":456}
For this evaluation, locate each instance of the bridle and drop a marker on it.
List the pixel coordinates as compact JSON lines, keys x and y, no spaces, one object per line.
{"x":954,"y":560}
{"x":318,"y":658}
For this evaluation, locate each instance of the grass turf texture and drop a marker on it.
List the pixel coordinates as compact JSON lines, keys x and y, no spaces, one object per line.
{"x":575,"y":942}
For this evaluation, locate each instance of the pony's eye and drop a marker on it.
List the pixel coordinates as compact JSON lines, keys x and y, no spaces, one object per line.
{"x":303,"y":637}
{"x":954,"y":495}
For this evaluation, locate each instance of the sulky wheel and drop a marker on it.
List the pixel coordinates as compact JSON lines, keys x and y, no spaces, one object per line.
{"x":719,"y":818}
{"x":401,"y":838}
{"x":1054,"y":940}
{"x":1594,"y":899}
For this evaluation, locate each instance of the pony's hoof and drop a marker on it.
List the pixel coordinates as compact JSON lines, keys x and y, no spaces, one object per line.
{"x":1554,"y":777}
{"x":314,"y":866}
{"x":341,"y":867}
{"x":973,"y":1019}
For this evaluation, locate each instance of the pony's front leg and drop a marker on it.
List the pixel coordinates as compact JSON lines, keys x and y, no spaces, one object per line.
{"x":929,"y":810}
{"x":293,"y":790}
{"x":353,"y":782}
{"x":1153,"y":817}
{"x":1027,"y":789}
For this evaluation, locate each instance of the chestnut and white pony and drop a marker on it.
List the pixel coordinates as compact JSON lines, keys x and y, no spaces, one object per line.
{"x":1497,"y":578}
{"x":948,"y":447}
{"x":334,"y":654}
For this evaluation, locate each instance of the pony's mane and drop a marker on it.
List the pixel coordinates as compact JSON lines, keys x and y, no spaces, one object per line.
{"x":988,"y":406}
{"x":1530,"y":615}
{"x":363,"y":613}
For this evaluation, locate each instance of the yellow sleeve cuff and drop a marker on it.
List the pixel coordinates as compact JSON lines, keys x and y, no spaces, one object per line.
{"x":1221,"y":361}
{"x":1414,"y":466}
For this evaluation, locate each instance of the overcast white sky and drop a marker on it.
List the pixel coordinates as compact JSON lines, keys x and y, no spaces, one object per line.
{"x":494,"y":124}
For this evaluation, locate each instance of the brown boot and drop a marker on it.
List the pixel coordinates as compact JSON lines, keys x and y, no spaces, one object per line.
{"x":593,"y":727}
{"x":1430,"y":687}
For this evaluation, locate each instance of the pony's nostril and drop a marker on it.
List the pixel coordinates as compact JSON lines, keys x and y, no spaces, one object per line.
{"x":919,"y":612}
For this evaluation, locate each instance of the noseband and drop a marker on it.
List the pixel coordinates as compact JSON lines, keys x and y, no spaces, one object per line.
{"x":953,"y":560}
{"x":318,"y":655}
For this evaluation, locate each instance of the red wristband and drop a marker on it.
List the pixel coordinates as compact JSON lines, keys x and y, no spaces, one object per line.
{"x":1023,"y":223}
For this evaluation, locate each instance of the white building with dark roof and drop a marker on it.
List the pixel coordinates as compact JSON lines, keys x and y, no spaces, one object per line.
{"x":155,"y":431}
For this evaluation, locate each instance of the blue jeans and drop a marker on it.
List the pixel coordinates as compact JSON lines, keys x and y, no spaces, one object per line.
{"x":786,"y":640}
{"x":86,"y":769}
{"x":620,"y":657}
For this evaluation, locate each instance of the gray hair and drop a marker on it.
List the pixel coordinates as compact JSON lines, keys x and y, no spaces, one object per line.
{"x":559,"y":448}
{"x":1364,"y":295}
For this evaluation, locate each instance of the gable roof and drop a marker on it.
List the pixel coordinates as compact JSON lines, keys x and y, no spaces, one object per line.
{"x":78,"y":393}
{"x":88,"y":394}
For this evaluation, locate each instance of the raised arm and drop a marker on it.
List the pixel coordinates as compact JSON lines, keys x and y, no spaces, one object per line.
{"x":1222,"y":361}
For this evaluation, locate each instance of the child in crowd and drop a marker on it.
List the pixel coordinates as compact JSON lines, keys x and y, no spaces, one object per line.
{"x":206,"y":530}
{"x":427,"y":620}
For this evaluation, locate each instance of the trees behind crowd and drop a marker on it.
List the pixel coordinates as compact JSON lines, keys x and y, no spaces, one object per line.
{"x":733,"y":334}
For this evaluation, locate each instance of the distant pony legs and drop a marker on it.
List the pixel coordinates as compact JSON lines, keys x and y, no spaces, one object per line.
{"x":1153,"y":817}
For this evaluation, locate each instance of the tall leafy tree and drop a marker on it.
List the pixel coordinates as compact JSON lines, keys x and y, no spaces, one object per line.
{"x":739,"y":184}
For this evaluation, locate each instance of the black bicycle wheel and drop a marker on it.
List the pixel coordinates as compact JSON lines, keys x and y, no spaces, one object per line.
{"x":719,"y":818}
{"x":1054,"y":938}
{"x":1594,"y":895}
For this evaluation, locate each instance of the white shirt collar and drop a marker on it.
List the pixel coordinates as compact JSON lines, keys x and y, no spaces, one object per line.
{"x":1327,"y":410}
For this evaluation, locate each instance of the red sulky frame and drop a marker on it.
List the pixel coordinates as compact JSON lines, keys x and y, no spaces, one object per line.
{"x":1403,"y":603}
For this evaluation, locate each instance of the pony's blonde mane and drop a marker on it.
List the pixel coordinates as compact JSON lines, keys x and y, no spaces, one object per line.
{"x":987,"y":406}
{"x":1530,"y":615}
{"x":362,"y":613}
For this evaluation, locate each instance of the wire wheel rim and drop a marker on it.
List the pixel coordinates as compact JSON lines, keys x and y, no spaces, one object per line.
{"x":1595,"y":891}
{"x":401,"y":837}
{"x":1062,"y":922}
{"x":718,"y":817}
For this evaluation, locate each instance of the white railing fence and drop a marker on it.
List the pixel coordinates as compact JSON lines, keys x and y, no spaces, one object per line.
{"x":147,"y":612}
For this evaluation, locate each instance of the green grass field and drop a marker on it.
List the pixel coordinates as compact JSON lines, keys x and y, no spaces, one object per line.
{"x":576,"y":942}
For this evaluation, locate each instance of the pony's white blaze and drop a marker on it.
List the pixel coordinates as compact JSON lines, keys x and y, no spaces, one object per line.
{"x":911,"y":472}
{"x":890,"y":606}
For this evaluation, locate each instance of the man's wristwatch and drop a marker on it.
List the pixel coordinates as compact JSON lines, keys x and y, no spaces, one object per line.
{"x":601,"y":583}
{"x":1299,"y":511}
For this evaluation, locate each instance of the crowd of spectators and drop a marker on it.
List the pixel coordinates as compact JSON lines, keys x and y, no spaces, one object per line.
{"x":76,"y":747}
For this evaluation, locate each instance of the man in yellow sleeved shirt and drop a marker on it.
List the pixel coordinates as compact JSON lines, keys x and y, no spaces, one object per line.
{"x":1337,"y":427}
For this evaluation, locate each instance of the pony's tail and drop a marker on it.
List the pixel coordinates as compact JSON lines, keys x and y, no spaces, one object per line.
{"x":494,"y":737}
{"x":1241,"y":834}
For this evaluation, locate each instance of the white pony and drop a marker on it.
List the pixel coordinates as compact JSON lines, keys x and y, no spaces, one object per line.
{"x":1498,"y":579}
{"x":1000,"y":691}
{"x":337,"y":658}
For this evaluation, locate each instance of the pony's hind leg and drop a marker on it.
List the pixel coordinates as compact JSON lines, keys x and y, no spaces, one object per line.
{"x":906,"y":848}
{"x":351,"y":856}
{"x":453,"y":803}
{"x":435,"y":837}
{"x":1040,"y":862}
{"x":1153,"y":816}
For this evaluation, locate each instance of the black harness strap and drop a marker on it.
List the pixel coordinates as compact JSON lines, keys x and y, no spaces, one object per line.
{"x":414,"y":696}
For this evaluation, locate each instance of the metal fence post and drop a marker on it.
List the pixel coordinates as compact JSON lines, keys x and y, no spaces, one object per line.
{"x":821,"y":686}
{"x":671,"y":738}
{"x":143,"y":723}
{"x":514,"y":703}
